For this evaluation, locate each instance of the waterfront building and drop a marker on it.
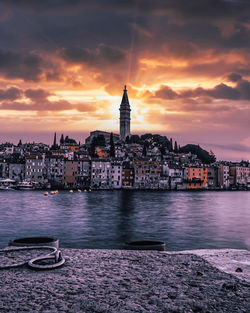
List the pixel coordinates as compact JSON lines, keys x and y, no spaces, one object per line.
{"x":127,"y":175}
{"x":212,"y":176}
{"x":70,"y":174}
{"x":83,"y":173}
{"x":124,"y":116}
{"x":17,"y":171}
{"x":35,"y":168}
{"x":101,"y":174}
{"x":196,"y":177}
{"x":55,"y":170}
{"x":116,"y":174}
{"x":175,"y":174}
{"x":4,"y":169}
{"x":147,"y":174}
{"x":239,"y":175}
{"x":223,"y":176}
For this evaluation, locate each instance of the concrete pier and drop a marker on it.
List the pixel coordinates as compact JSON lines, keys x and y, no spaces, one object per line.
{"x":132,"y":281}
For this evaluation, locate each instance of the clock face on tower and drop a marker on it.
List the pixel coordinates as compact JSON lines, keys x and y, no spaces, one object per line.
{"x":124,"y":116}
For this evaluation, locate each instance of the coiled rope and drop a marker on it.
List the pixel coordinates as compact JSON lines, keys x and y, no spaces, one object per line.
{"x":33,"y":263}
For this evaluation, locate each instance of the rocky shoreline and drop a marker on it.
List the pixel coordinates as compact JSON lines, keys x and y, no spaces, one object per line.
{"x":132,"y":281}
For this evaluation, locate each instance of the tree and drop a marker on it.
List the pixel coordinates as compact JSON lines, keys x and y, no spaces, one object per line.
{"x":144,"y":151}
{"x":171,"y":145}
{"x":96,"y":141}
{"x":92,"y":148}
{"x":212,"y":157}
{"x":134,"y":139}
{"x":202,"y":154}
{"x":62,"y":140}
{"x":20,"y":143}
{"x":112,"y":146}
{"x":175,"y":147}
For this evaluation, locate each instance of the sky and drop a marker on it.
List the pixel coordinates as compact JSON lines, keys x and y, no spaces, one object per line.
{"x":64,"y":64}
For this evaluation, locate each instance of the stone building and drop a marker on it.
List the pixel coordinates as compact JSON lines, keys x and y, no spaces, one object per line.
{"x":83,"y":173}
{"x":55,"y":170}
{"x":35,"y":168}
{"x":17,"y":171}
{"x":147,"y":174}
{"x":70,"y":174}
{"x":124,"y":116}
{"x":101,"y":174}
{"x":223,"y":176}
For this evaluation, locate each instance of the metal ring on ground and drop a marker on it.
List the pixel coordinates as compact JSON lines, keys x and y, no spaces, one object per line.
{"x":35,"y":241}
{"x":55,"y":254}
{"x":146,"y":245}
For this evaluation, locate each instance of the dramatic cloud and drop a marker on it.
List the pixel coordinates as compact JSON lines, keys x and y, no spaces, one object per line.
{"x":12,"y":93}
{"x":40,"y":106}
{"x":37,"y":94}
{"x":186,"y":65}
{"x":221,"y":91}
{"x":102,"y":56}
{"x":25,"y":66}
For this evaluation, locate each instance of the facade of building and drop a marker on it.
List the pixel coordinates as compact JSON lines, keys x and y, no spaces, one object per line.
{"x":116,"y":174}
{"x":212,"y":177}
{"x":97,"y":133}
{"x":196,"y":177}
{"x":83,"y":173}
{"x":239,"y":175}
{"x":101,"y":174}
{"x":70,"y":174}
{"x":17,"y":171}
{"x":147,"y":174}
{"x":35,"y":168}
{"x":55,"y":170}
{"x":223,"y":176}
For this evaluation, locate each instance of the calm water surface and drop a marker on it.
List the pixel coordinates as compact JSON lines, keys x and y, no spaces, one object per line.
{"x":107,"y":219}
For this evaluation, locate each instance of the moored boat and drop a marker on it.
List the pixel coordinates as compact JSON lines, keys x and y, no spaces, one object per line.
{"x":25,"y":185}
{"x":7,"y":184}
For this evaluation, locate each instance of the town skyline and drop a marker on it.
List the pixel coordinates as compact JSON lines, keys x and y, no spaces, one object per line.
{"x":63,"y":65}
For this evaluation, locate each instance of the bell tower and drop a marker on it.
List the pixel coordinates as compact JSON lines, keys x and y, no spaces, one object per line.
{"x":124,"y":116}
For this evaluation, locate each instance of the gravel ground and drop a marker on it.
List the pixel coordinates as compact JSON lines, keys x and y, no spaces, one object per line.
{"x":124,"y":281}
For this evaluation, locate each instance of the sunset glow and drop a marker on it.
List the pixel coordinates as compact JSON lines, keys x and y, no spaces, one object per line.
{"x":63,"y":67}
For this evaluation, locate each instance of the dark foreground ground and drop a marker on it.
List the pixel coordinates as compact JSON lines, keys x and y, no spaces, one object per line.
{"x":131,"y":281}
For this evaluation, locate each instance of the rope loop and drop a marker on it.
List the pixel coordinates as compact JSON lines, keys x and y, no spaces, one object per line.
{"x":55,"y":255}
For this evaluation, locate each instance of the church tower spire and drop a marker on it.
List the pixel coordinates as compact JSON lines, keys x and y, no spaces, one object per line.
{"x":124,"y":116}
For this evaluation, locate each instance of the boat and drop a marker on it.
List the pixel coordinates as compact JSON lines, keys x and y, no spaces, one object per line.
{"x":7,"y":184}
{"x":25,"y":185}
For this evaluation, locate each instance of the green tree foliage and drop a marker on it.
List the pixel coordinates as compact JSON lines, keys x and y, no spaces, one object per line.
{"x":96,"y":141}
{"x":175,"y":147}
{"x":146,"y":136}
{"x":202,"y":154}
{"x":127,"y":139}
{"x":62,"y":140}
{"x":134,"y":139}
{"x":170,"y":147}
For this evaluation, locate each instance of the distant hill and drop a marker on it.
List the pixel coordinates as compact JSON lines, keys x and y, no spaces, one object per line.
{"x":202,"y":154}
